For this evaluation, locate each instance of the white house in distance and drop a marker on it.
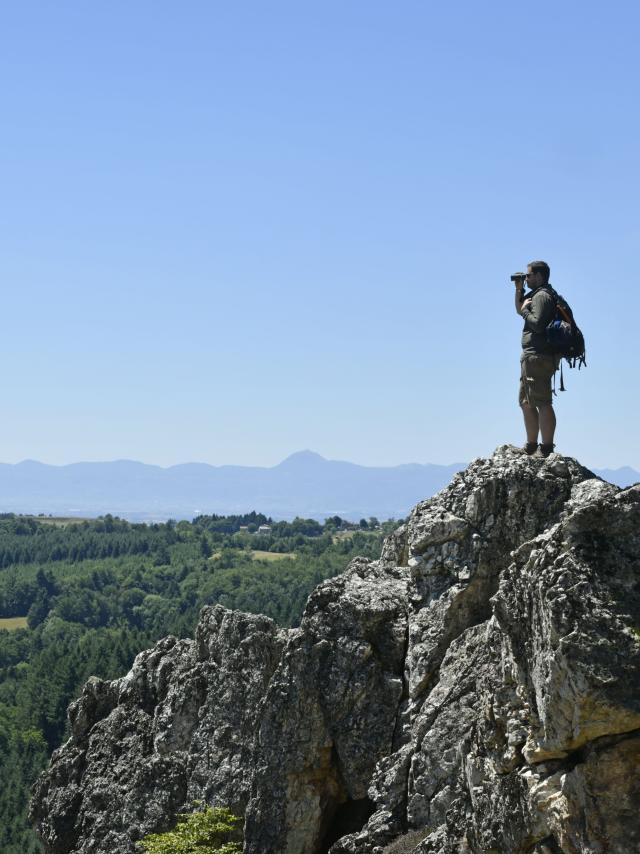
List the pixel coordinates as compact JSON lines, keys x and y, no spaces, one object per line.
{"x":264,"y":529}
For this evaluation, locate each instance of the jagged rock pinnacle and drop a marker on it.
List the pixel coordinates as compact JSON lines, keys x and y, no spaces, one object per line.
{"x":473,"y":690}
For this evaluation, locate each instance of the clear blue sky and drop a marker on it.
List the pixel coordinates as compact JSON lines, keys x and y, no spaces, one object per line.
{"x":230,"y":231}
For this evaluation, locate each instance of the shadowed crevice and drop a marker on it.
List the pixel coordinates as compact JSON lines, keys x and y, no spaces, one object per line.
{"x":349,"y":817}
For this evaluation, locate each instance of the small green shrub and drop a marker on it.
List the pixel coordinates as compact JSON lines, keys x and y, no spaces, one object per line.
{"x":213,"y":829}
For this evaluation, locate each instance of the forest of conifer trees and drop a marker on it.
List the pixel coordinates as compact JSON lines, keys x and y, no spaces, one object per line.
{"x":87,"y":596}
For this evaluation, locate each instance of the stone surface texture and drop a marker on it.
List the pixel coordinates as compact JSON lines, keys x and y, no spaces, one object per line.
{"x":475,"y":690}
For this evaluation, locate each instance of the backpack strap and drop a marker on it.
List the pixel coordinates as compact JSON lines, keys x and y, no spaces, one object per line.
{"x":565,"y":314}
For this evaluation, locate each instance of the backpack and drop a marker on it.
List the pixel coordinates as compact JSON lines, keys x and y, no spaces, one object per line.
{"x":564,"y":336}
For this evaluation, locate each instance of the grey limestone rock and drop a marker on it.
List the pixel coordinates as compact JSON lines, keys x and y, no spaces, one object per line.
{"x":178,"y":727}
{"x":476,"y":689}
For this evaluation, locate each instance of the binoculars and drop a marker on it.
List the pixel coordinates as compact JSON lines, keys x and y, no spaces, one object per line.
{"x":518,"y":277}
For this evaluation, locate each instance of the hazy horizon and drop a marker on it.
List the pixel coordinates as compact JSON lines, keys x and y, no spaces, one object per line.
{"x":236,"y":464}
{"x":302,"y":451}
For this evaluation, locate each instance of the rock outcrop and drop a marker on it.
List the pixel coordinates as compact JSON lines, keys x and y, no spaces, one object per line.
{"x":476,"y":689}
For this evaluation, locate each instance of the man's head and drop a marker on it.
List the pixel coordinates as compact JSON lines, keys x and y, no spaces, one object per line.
{"x":538,"y":273}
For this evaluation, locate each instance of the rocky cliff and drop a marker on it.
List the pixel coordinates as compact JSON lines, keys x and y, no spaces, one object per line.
{"x":476,"y":689}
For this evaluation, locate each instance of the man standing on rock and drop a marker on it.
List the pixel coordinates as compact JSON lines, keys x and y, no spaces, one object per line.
{"x":537,"y":362}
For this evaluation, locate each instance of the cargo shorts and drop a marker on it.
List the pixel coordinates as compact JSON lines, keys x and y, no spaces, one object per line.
{"x":535,"y":379}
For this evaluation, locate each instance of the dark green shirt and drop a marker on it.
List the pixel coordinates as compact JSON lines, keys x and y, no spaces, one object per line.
{"x":536,"y":319}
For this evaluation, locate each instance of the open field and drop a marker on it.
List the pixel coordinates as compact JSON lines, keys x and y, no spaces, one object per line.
{"x":59,"y":521}
{"x":342,"y":535}
{"x":260,"y":555}
{"x":12,"y":623}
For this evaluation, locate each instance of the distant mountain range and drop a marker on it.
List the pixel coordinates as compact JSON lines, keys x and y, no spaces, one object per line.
{"x":304,"y":484}
{"x":624,"y":476}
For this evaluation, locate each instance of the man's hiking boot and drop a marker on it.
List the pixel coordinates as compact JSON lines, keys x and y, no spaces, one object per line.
{"x":530,"y":448}
{"x":545,"y":450}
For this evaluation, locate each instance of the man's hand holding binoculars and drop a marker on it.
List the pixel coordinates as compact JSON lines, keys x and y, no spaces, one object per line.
{"x":520,"y":302}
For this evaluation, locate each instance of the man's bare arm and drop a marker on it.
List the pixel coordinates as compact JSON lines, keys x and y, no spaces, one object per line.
{"x":519,"y":297}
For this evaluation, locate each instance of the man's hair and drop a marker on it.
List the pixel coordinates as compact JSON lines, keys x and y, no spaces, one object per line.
{"x":541,"y":267}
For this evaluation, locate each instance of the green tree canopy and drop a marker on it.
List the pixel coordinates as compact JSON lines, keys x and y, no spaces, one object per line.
{"x":212,"y":829}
